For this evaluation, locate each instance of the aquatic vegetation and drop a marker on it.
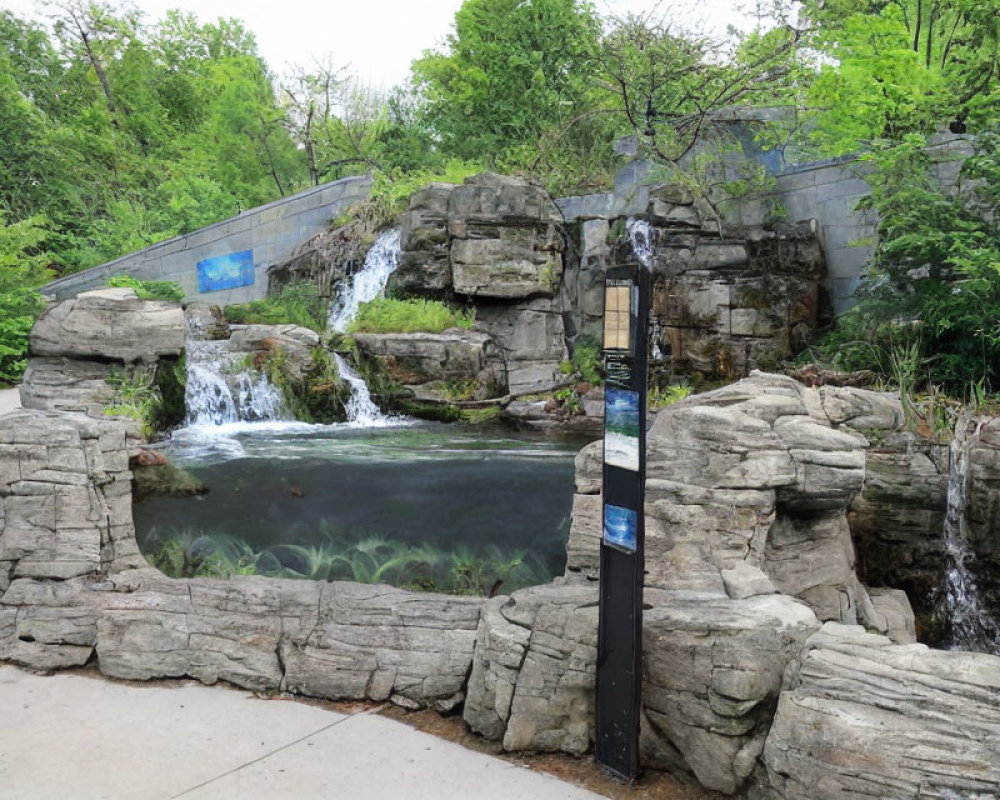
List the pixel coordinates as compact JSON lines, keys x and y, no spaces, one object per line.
{"x":370,"y":559}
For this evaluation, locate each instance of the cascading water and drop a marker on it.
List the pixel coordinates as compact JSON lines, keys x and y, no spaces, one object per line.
{"x":221,"y":391}
{"x":368,"y":283}
{"x":970,"y":625}
{"x":643,"y":239}
{"x":361,"y":410}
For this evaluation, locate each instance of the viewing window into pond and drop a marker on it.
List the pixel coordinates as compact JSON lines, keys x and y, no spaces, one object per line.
{"x":422,"y":506}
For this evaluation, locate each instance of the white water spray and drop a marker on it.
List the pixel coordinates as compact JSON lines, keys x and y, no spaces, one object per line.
{"x":643,"y":239}
{"x":367,"y":284}
{"x":361,"y":409}
{"x":971,"y":627}
{"x":220,"y":390}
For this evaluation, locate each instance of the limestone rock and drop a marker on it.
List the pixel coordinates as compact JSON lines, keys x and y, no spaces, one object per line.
{"x":867,"y":718}
{"x":713,"y":672}
{"x":532,"y":680}
{"x":452,"y":355}
{"x":110,"y":324}
{"x":506,"y":238}
{"x":63,"y":384}
{"x":65,"y":495}
{"x":293,"y":341}
{"x":744,"y":580}
{"x":531,"y":339}
{"x":897,"y":520}
{"x":424,"y":260}
{"x":338,"y":641}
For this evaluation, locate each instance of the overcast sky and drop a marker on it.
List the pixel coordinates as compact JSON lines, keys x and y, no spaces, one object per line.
{"x":378,"y":38}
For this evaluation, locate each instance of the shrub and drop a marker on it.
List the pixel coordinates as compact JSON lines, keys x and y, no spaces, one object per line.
{"x":18,"y":311}
{"x":298,"y":304}
{"x":385,"y":315}
{"x":149,"y":290}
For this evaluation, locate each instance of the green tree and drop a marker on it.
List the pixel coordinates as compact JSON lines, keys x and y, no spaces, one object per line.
{"x":934,"y":283}
{"x":512,"y":70}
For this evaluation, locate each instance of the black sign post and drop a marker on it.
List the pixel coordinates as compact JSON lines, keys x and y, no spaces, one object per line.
{"x":619,"y":639}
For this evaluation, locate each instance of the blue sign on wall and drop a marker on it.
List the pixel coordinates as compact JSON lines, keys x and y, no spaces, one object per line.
{"x":226,"y":272}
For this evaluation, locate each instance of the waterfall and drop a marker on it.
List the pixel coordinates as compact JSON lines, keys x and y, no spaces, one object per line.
{"x":221,"y":390}
{"x":368,"y":283}
{"x":361,"y":410}
{"x":970,"y":625}
{"x":642,"y":237}
{"x":643,"y":240}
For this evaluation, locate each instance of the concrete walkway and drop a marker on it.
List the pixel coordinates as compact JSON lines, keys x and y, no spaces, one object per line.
{"x":81,"y":737}
{"x":9,"y":400}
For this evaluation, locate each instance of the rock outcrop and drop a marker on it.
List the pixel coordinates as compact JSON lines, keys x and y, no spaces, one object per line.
{"x":419,"y":358}
{"x":72,"y":583}
{"x":723,"y":303}
{"x":78,"y":343}
{"x":862,"y":717}
{"x":748,"y":497}
{"x":496,"y":242}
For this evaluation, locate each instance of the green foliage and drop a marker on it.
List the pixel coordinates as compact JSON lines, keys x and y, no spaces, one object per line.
{"x":386,"y":315}
{"x":23,"y":266}
{"x":661,"y":397}
{"x":511,"y":70}
{"x":371,"y":559}
{"x":876,"y":88}
{"x":586,"y":361}
{"x":887,"y":69}
{"x":149,"y":290}
{"x":298,"y":304}
{"x":927,"y":311}
{"x":135,"y":396}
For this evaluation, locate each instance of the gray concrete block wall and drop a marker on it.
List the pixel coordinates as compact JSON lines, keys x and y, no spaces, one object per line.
{"x":826,"y":191}
{"x":271,"y":232}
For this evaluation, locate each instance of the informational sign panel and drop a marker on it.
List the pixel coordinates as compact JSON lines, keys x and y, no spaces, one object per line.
{"x":226,"y":272}
{"x":619,"y":648}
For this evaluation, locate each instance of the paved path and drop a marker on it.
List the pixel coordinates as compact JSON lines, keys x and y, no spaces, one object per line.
{"x":9,"y":400}
{"x":85,"y":738}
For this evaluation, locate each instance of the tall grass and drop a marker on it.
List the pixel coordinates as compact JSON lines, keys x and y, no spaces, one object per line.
{"x":298,"y":304}
{"x":385,"y":315}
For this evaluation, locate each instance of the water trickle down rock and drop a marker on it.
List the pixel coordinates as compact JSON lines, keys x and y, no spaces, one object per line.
{"x":220,"y":389}
{"x":641,"y":235}
{"x":367,"y":284}
{"x":380,"y":262}
{"x":970,"y":624}
{"x":360,"y":409}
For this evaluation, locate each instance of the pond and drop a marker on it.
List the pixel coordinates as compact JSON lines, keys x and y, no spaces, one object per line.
{"x":418,"y":505}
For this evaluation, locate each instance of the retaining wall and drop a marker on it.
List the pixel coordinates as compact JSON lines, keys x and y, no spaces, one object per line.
{"x":268,"y":232}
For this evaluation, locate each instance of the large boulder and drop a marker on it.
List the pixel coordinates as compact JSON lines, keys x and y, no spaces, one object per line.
{"x":713,"y":672}
{"x":78,"y":344}
{"x":110,"y":325}
{"x":424,"y":245}
{"x":714,"y":667}
{"x":863,"y":717}
{"x":531,"y":339}
{"x":506,"y":238}
{"x":415,"y":358}
{"x":64,"y":384}
{"x":754,"y":472}
{"x":294,"y":342}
